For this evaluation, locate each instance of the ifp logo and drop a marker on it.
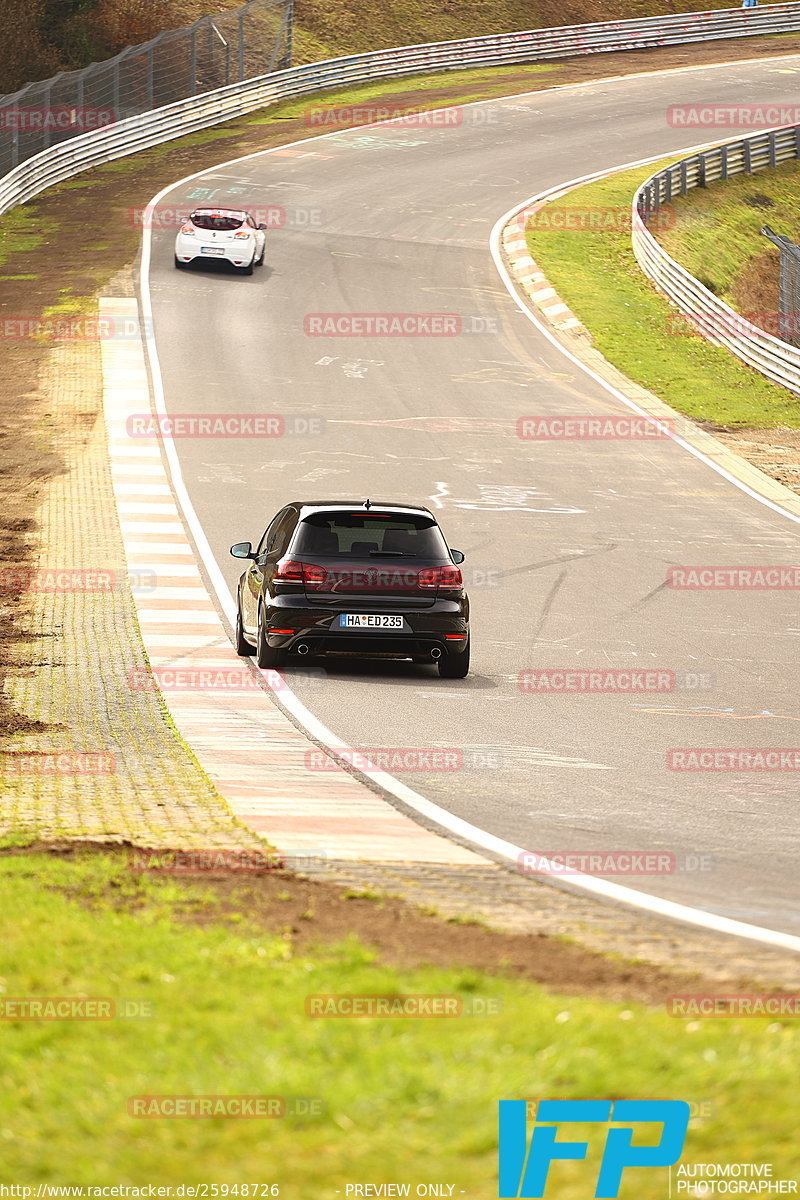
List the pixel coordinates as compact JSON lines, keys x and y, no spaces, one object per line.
{"x":524,"y":1168}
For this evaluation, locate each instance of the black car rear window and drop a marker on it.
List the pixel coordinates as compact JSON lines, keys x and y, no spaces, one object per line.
{"x":221,"y":224}
{"x":356,"y":535}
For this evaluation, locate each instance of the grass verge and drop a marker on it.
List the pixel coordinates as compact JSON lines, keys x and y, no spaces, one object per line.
{"x":716,"y":234}
{"x":402,"y":1100}
{"x":635,"y":327}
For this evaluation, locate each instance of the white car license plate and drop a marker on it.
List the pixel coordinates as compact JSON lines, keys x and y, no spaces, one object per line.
{"x":369,"y":621}
{"x":211,"y":250}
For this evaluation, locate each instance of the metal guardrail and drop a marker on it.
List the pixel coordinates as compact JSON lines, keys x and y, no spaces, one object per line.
{"x":85,"y":150}
{"x":706,"y":313}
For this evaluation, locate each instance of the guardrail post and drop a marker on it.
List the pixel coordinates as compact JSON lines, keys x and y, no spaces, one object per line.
{"x":723,"y":163}
{"x":287,"y":59}
{"x":48,"y":95}
{"x":684,"y":177}
{"x":115,"y":89}
{"x":797,"y":141}
{"x":701,"y":170}
{"x":748,"y":157}
{"x":667,"y":186}
{"x":241,"y":44}
{"x":150,"y":65}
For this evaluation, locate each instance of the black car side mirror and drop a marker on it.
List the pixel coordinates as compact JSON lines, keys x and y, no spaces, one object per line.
{"x":262,"y":226}
{"x":457,"y":556}
{"x":242,"y":550}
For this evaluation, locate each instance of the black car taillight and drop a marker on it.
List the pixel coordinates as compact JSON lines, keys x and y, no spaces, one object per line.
{"x":289,"y":570}
{"x":448,"y":578}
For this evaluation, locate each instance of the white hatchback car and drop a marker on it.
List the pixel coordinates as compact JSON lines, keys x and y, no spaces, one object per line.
{"x":222,"y":233}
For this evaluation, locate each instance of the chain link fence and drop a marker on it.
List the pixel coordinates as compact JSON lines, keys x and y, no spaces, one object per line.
{"x":788,"y":286}
{"x":240,"y":43}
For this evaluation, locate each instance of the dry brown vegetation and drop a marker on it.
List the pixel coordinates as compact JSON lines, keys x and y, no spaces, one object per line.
{"x":41,"y":37}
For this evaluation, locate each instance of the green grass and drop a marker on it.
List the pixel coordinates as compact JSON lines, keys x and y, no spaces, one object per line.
{"x":634,"y":326}
{"x":18,"y":234}
{"x":404,"y":1100}
{"x":717,"y":231}
{"x":487,"y":81}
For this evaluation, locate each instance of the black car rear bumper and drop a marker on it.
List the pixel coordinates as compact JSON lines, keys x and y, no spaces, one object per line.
{"x":432,"y":632}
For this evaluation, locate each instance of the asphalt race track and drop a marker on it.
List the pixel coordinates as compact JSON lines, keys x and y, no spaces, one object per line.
{"x":568,"y":543}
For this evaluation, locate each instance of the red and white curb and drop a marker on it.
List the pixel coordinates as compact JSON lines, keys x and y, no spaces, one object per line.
{"x":254,"y":755}
{"x":527,"y":274}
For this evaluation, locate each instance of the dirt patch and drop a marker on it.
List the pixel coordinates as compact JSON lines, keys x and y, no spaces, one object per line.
{"x":775,"y":451}
{"x":79,"y":254}
{"x":311,"y":914}
{"x":756,"y":287}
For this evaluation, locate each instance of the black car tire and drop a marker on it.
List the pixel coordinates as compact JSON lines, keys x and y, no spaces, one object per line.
{"x":248,"y":270}
{"x":266,"y":656}
{"x":243,"y":647}
{"x":455,"y":666}
{"x":178,"y":263}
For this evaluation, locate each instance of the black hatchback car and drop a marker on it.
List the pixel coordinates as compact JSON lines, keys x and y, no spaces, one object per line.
{"x":353,"y":578}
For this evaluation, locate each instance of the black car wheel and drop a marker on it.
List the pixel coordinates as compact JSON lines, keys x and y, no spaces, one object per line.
{"x":455,"y":666}
{"x":266,"y":655}
{"x":243,"y":647}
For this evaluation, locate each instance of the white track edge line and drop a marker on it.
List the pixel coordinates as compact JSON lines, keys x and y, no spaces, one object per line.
{"x":479,"y":838}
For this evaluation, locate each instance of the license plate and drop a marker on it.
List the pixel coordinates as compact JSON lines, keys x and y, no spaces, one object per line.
{"x":211,"y":250}
{"x":369,"y":621}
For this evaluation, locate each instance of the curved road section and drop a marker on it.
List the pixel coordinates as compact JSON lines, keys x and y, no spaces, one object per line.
{"x":569,"y":543}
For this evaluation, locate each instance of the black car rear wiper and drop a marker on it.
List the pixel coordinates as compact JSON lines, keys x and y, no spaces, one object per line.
{"x":390,"y":554}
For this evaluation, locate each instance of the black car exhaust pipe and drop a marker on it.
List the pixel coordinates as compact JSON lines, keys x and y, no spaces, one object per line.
{"x":436,"y":653}
{"x":302,"y":648}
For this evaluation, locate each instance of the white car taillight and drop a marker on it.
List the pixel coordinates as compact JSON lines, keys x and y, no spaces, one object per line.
{"x":188,"y":230}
